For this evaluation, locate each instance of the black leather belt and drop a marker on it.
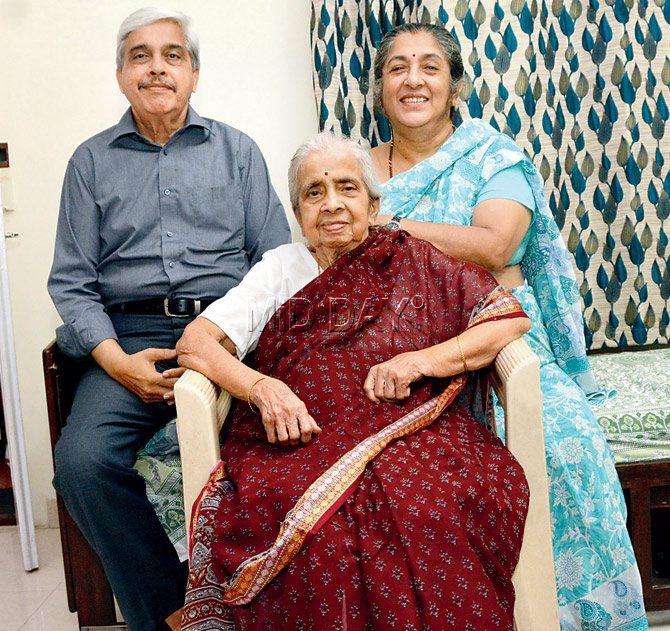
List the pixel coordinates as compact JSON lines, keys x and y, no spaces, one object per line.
{"x":172,"y":307}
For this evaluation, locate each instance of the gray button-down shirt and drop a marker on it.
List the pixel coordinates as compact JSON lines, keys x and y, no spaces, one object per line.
{"x":140,"y":221}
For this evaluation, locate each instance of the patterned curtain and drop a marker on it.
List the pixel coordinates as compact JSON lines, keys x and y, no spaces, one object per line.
{"x":584,"y":87}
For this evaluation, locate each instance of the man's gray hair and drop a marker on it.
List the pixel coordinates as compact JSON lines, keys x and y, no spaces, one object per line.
{"x":327,"y":141}
{"x":149,"y":15}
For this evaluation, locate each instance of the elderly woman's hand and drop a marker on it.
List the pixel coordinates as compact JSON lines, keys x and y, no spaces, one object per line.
{"x":285,"y":417}
{"x":390,"y":380}
{"x":196,"y":349}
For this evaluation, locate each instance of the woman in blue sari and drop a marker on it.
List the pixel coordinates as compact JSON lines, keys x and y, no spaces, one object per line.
{"x":473,"y":193}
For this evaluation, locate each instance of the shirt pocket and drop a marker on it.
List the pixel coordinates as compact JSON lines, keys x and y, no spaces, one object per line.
{"x":218,"y":217}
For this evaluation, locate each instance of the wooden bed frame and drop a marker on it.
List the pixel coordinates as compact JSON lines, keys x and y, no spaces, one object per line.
{"x":647,"y":489}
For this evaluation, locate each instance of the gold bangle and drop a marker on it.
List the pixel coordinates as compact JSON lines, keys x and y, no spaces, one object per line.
{"x":251,"y":387}
{"x":460,"y":348}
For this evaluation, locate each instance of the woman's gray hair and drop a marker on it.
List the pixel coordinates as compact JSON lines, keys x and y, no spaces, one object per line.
{"x":327,"y":141}
{"x":149,"y":15}
{"x":446,"y":42}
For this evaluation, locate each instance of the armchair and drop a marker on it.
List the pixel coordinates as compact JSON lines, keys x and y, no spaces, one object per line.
{"x":202,"y":408}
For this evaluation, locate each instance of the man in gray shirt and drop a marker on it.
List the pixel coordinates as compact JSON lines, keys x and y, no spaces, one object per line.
{"x":160,"y":215}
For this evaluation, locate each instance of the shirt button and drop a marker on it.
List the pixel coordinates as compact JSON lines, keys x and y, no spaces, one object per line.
{"x":169,"y":234}
{"x":167,"y":191}
{"x":170,"y":264}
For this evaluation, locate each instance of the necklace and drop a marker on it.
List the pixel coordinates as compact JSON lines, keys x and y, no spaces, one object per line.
{"x":391,"y":159}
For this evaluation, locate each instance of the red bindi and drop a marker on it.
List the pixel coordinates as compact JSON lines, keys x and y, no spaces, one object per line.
{"x":326,"y":173}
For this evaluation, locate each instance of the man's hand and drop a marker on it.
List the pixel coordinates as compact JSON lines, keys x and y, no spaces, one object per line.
{"x":390,"y":380}
{"x":285,"y":417}
{"x":137,"y":372}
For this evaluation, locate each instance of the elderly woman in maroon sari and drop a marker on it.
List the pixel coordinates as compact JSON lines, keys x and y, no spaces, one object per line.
{"x":359,"y":485}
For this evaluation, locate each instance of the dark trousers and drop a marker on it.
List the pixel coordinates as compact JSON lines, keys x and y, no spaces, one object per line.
{"x":103,"y":493}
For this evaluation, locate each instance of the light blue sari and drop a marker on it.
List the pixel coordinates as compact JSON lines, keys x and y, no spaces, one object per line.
{"x":598,"y":583}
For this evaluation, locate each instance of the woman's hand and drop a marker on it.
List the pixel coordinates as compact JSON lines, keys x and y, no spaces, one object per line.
{"x":390,"y":380}
{"x":198,"y":347}
{"x":285,"y":417}
{"x":382,"y":220}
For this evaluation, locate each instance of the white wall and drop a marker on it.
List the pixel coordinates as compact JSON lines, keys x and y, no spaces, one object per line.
{"x":57,"y":88}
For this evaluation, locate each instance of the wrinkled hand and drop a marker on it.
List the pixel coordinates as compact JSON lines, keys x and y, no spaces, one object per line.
{"x":138,"y":373}
{"x":197,"y":344}
{"x":382,"y":220}
{"x":285,"y":417}
{"x":390,"y":380}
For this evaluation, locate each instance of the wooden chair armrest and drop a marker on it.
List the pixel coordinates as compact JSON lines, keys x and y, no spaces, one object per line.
{"x":201,"y":409}
{"x":517,"y":383}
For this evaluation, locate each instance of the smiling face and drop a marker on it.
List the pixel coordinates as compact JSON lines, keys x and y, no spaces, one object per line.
{"x":157,"y":77}
{"x":417,"y":82}
{"x":335,"y":210}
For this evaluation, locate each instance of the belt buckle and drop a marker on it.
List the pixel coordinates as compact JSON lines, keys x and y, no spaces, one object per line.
{"x":166,"y":309}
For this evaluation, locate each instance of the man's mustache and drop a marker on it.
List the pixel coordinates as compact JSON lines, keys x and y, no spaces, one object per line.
{"x":162,"y":82}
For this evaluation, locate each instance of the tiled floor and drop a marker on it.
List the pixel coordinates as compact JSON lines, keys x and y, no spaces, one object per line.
{"x":33,"y":601}
{"x":36,"y":601}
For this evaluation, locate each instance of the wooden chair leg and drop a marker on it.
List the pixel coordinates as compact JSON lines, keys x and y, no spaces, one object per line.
{"x":93,"y":598}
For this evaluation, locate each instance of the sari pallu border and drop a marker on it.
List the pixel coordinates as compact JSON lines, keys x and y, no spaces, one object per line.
{"x":500,"y":304}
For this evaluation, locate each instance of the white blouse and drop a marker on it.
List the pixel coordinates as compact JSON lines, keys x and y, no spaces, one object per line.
{"x":245,"y":310}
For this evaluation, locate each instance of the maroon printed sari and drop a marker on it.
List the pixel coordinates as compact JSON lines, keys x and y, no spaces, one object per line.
{"x":398,"y":515}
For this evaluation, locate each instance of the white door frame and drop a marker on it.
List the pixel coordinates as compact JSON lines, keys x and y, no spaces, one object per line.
{"x":9,"y":382}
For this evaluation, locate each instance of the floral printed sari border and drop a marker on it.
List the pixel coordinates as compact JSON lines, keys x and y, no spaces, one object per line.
{"x":325,"y":496}
{"x":218,"y":472}
{"x":498,"y":305}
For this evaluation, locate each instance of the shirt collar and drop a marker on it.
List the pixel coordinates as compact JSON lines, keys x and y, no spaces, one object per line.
{"x":193,"y":119}
{"x":126,"y":126}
